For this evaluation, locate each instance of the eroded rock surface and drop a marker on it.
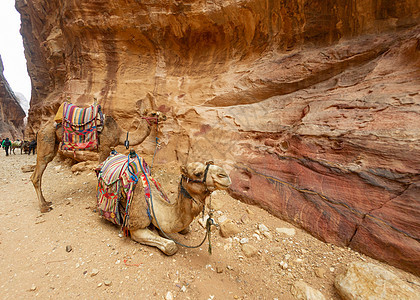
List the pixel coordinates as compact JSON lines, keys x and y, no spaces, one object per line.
{"x":314,"y":105}
{"x":369,"y":281}
{"x":11,"y":113}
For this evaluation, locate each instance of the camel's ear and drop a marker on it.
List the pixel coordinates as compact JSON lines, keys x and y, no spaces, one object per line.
{"x":184,"y":170}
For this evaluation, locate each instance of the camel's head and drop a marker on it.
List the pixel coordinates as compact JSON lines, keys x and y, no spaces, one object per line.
{"x":206,"y":177}
{"x":155,"y":116}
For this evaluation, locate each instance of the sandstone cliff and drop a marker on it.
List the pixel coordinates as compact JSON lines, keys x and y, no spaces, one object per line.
{"x":314,"y":105}
{"x":11,"y":113}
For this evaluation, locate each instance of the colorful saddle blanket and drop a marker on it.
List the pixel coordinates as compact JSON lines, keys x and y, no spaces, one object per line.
{"x":79,"y":127}
{"x":117,"y":178}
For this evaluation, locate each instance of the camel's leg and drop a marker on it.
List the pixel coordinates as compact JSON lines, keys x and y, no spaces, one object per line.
{"x":148,"y":237}
{"x":109,"y":138}
{"x":47,"y":149}
{"x":185,"y":230}
{"x":104,"y":151}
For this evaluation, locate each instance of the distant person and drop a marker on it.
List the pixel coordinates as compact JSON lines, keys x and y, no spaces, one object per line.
{"x":32,"y":147}
{"x":6,"y":144}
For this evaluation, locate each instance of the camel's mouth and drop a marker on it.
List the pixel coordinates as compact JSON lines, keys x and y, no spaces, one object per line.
{"x":221,"y":186}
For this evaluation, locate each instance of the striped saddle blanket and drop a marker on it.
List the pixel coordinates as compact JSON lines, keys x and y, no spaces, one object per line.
{"x":117,"y":179}
{"x":79,"y":127}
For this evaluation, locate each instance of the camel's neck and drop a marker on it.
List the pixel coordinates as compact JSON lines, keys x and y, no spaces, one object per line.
{"x":183,"y":211}
{"x":138,"y":136}
{"x":186,"y":200}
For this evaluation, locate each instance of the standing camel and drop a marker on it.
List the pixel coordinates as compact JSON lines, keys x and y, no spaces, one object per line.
{"x":197,"y":182}
{"x":16,"y":145}
{"x":112,"y":135}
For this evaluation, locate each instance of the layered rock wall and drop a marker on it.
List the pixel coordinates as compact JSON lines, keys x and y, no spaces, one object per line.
{"x":11,"y":113}
{"x":313,"y":105}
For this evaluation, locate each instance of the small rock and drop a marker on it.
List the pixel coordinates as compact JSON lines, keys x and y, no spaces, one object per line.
{"x":169,"y":296}
{"x":228,"y":229}
{"x":244,"y":240}
{"x":94,"y":272}
{"x":287,"y":231}
{"x":221,"y":219}
{"x":255,"y":235}
{"x":99,"y":284}
{"x":302,"y":291}
{"x":268,"y":235}
{"x":245,"y":219}
{"x":69,"y":248}
{"x":107,"y":282}
{"x":249,"y":250}
{"x":284,"y":265}
{"x":320,"y":272}
{"x":262,"y":227}
{"x":33,"y":288}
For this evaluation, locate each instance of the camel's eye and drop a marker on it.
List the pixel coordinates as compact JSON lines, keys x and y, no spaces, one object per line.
{"x":198,"y":174}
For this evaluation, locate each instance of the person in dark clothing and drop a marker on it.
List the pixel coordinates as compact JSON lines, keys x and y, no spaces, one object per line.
{"x":7,"y":143}
{"x":32,"y":147}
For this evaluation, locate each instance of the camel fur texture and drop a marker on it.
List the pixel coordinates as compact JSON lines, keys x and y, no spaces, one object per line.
{"x":176,"y":216}
{"x":49,"y":137}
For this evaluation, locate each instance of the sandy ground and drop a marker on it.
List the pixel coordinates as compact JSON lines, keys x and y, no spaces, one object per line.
{"x":35,"y":262}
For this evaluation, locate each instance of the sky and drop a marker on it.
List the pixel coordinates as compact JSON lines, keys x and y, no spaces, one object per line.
{"x":11,"y":49}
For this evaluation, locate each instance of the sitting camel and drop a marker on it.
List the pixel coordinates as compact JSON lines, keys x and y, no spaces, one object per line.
{"x":197,"y":182}
{"x":49,"y":137}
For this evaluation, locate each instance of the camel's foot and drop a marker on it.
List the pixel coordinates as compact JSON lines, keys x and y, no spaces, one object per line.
{"x":169,"y":249}
{"x":148,"y":237}
{"x":46,"y":207}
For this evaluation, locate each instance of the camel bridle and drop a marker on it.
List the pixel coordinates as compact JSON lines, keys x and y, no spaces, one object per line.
{"x":184,"y":191}
{"x":210,"y":220}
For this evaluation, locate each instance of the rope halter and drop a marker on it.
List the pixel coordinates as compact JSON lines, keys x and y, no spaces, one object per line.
{"x":188,"y":179}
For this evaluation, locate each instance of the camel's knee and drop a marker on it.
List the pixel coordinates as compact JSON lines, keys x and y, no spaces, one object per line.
{"x":35,"y":178}
{"x":185,"y":230}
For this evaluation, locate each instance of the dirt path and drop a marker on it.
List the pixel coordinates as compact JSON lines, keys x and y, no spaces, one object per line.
{"x":34,"y":261}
